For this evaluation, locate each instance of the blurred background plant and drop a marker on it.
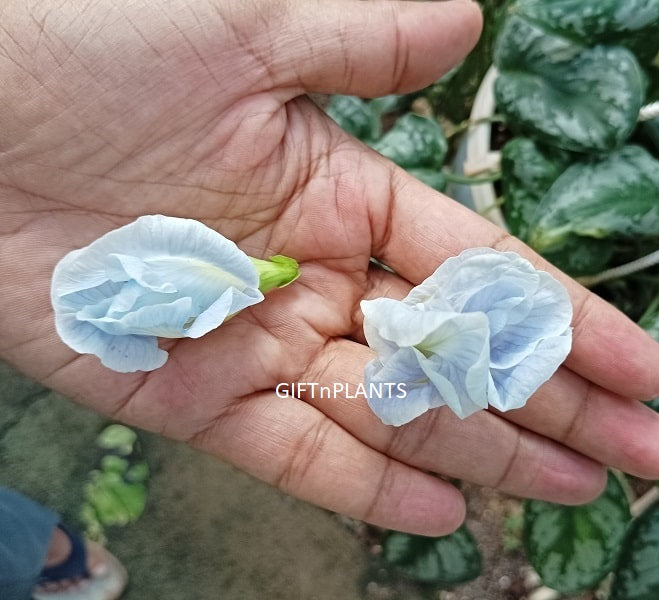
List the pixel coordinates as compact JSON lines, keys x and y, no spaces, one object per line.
{"x":116,"y":491}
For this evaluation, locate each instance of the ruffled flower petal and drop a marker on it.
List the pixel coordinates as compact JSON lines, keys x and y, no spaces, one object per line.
{"x":419,"y":396}
{"x":445,"y":351}
{"x":549,"y":317}
{"x":516,"y":384}
{"x":156,"y":277}
{"x":485,"y":328}
{"x":125,"y":354}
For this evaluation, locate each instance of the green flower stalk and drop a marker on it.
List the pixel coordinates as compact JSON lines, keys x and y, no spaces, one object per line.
{"x":276,"y":272}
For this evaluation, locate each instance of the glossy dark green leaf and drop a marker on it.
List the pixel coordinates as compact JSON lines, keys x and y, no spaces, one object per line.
{"x":563,"y":93}
{"x":528,"y":171}
{"x":414,"y":141}
{"x":612,"y":198}
{"x":637,"y":573}
{"x":355,"y":116}
{"x":573,"y":547}
{"x":651,"y":130}
{"x":433,"y":178}
{"x":388,"y":104}
{"x":447,"y":560}
{"x":453,"y":94}
{"x":654,"y":404}
{"x":631,"y":23}
{"x":652,"y":72}
{"x":634,"y":294}
{"x":579,"y":256}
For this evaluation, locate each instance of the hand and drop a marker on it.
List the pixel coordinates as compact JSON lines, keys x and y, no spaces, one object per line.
{"x":197,"y":109}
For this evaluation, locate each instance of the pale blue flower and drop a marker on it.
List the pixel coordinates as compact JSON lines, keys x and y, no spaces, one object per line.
{"x":156,"y":277}
{"x":485,"y":329}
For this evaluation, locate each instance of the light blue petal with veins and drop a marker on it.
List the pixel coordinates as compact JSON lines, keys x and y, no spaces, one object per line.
{"x":125,"y":354}
{"x":231,"y":302}
{"x":162,"y":320}
{"x":389,"y":321}
{"x":458,"y":363}
{"x":151,"y":237}
{"x":501,"y":303}
{"x":402,"y":367}
{"x":447,"y":350}
{"x":486,"y":327}
{"x":550,"y":316}
{"x":460,"y":277}
{"x":121,"y":267}
{"x":156,"y":277}
{"x":518,"y":383}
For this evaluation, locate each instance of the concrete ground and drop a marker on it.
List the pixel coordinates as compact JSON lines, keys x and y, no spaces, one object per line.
{"x":209,"y":532}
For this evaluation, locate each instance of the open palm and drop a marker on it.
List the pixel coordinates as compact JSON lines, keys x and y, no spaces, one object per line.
{"x":121,"y":109}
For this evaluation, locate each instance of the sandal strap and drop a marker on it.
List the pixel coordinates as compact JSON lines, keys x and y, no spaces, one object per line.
{"x":73,"y":567}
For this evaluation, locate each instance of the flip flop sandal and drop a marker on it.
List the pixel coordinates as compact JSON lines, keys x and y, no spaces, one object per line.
{"x":106,"y":584}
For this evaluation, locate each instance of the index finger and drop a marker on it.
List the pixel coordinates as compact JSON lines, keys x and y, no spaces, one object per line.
{"x":414,"y":230}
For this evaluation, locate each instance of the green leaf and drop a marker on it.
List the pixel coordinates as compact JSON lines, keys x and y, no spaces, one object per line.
{"x":615,"y":198}
{"x":355,"y":116}
{"x":433,"y":178}
{"x":414,"y":141}
{"x":117,"y":437}
{"x":653,"y":86}
{"x":132,"y":497}
{"x":108,"y":509}
{"x":114,"y":464}
{"x":633,"y":294}
{"x":528,"y":171}
{"x":637,"y":573}
{"x":579,"y":256}
{"x":651,"y":130}
{"x":388,"y":104}
{"x":630,"y":23}
{"x":654,"y":404}
{"x":447,"y":560}
{"x":453,"y":94}
{"x":94,"y":529}
{"x":114,"y":500}
{"x":138,"y":473}
{"x":573,"y":547}
{"x":564,"y":93}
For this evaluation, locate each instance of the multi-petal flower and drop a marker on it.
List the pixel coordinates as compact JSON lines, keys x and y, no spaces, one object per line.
{"x":485,"y":329}
{"x":156,"y":277}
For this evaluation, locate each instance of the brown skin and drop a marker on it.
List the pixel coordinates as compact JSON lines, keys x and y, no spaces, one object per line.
{"x":114,"y":109}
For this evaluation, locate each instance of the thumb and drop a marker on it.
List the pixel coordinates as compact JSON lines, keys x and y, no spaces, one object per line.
{"x":371,"y":48}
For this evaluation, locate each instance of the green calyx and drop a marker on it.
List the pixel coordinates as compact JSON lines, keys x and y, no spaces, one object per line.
{"x":276,"y":272}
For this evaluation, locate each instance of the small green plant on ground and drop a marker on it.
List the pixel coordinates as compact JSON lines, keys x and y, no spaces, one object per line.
{"x":116,"y":491}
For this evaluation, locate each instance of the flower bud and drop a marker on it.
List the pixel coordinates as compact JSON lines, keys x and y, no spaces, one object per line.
{"x":276,"y":272}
